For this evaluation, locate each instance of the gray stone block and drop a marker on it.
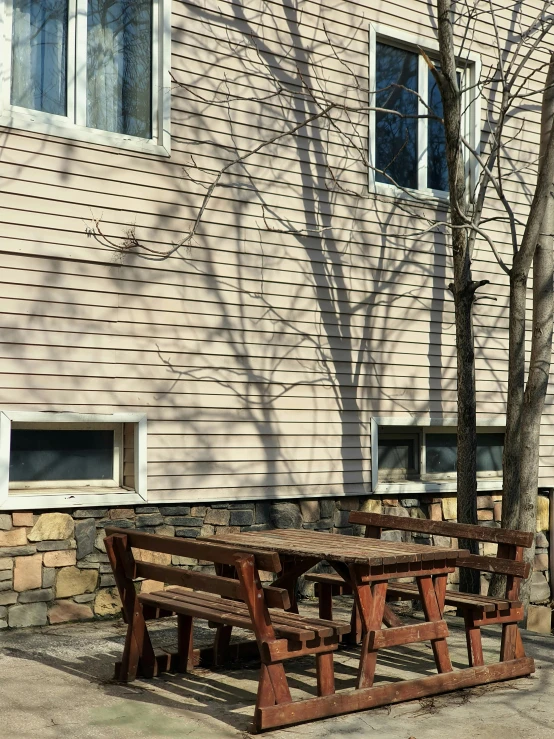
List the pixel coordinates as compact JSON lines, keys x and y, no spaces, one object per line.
{"x":3,"y":623}
{"x":85,"y":598}
{"x":6,"y":585}
{"x":148,"y":519}
{"x":107,"y":581}
{"x":341,"y":518}
{"x":5,"y":522}
{"x":48,"y":577}
{"x":176,"y":510}
{"x":42,"y":595}
{"x":3,"y":611}
{"x":91,"y":513}
{"x":391,"y":536}
{"x":120,"y":523}
{"x":286,"y":516}
{"x":5,"y":575}
{"x":324,"y":524}
{"x":184,"y":520}
{"x":187,"y":533}
{"x":241,"y":517}
{"x":409,"y":502}
{"x":540,"y":589}
{"x":85,"y":534}
{"x":327,"y":507}
{"x":541,"y":540}
{"x":95,"y":557}
{"x":30,"y":614}
{"x":8,"y":598}
{"x":263,"y":513}
{"x":146,"y":509}
{"x":395,"y":511}
{"x":55,"y":546}
{"x":21,"y":551}
{"x":241,"y":505}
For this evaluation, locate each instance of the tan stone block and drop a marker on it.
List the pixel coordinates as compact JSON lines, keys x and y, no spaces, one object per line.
{"x":21,"y":518}
{"x":435,"y":512}
{"x":489,"y":549}
{"x":484,"y":514}
{"x":151,"y":586}
{"x":417,"y":513}
{"x":52,"y":527}
{"x":6,"y":563}
{"x":372,"y":505}
{"x":543,"y":511}
{"x":350,"y":503}
{"x":165,"y":530}
{"x":72,"y":581}
{"x":67,"y":610}
{"x":155,"y":558}
{"x":222,"y":530}
{"x":107,"y":602}
{"x":390,"y":501}
{"x":62,"y":558}
{"x":207,"y":530}
{"x":541,"y":562}
{"x":498,"y":511}
{"x":539,"y":619}
{"x":497,"y":497}
{"x":485,"y":501}
{"x":13,"y":538}
{"x":217,"y":516}
{"x":449,"y":508}
{"x":27,"y":574}
{"x":310,"y":510}
{"x":117,"y":513}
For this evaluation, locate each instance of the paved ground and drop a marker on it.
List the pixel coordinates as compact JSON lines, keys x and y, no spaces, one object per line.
{"x":56,"y":682}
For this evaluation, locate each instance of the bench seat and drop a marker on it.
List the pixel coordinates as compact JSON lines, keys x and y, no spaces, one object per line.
{"x":407,"y":591}
{"x":290,"y":626}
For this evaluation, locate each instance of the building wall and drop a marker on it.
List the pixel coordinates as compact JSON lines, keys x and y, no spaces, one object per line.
{"x":54,"y":567}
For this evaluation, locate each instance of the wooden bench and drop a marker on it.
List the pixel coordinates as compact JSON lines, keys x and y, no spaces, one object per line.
{"x":233,"y":597}
{"x":477,"y":610}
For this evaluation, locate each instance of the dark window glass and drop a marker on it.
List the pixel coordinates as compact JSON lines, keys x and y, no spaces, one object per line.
{"x":489,"y":452}
{"x":437,"y":169}
{"x":119,"y":66}
{"x":396,"y":454}
{"x":395,"y":136}
{"x":39,"y":55}
{"x":47,"y":455}
{"x":440,"y":453}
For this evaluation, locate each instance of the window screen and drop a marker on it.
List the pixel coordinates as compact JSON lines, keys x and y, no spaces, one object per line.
{"x":51,"y":454}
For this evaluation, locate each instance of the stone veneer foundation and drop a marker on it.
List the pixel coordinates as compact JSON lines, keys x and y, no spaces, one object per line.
{"x":54,"y":567}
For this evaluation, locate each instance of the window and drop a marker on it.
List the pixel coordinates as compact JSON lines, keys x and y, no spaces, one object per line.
{"x":90,"y":69}
{"x":408,"y":150}
{"x":49,"y":459}
{"x":424,"y":456}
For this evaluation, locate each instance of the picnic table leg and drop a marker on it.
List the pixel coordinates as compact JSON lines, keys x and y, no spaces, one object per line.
{"x":433,"y":612}
{"x":371,"y":606}
{"x":185,"y":642}
{"x":325,"y":673}
{"x":473,"y":639}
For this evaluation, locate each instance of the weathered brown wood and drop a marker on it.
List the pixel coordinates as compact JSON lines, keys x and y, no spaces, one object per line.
{"x":439,"y":583}
{"x":457,"y":530}
{"x":454,"y":598}
{"x":326,"y":601}
{"x":225,"y":586}
{"x":282,"y":649}
{"x":138,"y":647}
{"x":474,"y":643}
{"x":494,"y":564}
{"x":433,"y":612}
{"x":185,"y":646}
{"x":325,"y":674}
{"x":200,"y":549}
{"x":382,"y":695}
{"x":511,"y":616}
{"x":399,"y":635}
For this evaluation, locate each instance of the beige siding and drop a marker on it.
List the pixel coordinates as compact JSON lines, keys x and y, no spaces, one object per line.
{"x":260,"y":357}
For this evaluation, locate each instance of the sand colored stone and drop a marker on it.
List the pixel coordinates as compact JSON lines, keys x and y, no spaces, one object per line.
{"x":543,"y":513}
{"x":107,"y":602}
{"x":62,"y":558}
{"x":52,"y":526}
{"x":157,"y":558}
{"x":27,"y":574}
{"x":151,"y":586}
{"x":67,"y":610}
{"x":72,"y":581}
{"x":22,"y":518}
{"x":13,"y":538}
{"x":450,"y":509}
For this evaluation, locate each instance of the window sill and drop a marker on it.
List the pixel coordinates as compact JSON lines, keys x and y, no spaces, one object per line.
{"x":52,"y":125}
{"x":433,"y":198}
{"x":405,"y":488}
{"x":75,"y":498}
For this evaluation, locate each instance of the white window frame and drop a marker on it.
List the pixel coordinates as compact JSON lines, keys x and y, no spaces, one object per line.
{"x":471,"y":63}
{"x":73,"y":126}
{"x":74,"y":494}
{"x":446,"y":483}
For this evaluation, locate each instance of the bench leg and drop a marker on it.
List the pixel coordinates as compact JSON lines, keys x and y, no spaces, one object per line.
{"x":473,"y":639}
{"x":221,"y":644}
{"x":272,"y":690}
{"x":511,"y":646}
{"x":372,"y":607}
{"x":433,"y":612}
{"x":325,"y":673}
{"x":325,"y":601}
{"x":185,"y":643}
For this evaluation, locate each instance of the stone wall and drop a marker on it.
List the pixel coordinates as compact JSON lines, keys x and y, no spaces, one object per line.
{"x":54,"y":567}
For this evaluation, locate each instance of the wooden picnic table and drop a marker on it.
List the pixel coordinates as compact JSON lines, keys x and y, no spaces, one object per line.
{"x":368,"y":565}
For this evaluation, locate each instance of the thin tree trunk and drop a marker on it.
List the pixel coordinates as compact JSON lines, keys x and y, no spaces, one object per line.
{"x":541,"y":349}
{"x":463,"y":287}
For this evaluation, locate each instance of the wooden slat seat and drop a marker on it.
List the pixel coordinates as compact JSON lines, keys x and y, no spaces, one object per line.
{"x":291,"y":626}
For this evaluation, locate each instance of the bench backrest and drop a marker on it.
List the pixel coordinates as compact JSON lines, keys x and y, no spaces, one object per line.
{"x":121,"y":542}
{"x":511,"y":543}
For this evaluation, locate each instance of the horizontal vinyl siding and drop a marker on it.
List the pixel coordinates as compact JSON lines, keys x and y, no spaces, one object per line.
{"x":259,"y":357}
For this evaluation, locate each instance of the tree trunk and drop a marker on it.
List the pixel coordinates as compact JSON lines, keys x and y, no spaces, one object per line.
{"x":541,"y":349}
{"x":463,"y":287}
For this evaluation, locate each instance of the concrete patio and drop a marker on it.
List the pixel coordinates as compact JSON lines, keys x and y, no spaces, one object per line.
{"x":56,"y":682}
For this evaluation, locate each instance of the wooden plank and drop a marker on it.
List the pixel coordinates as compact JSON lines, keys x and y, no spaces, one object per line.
{"x":432,"y":610}
{"x":494,"y":564}
{"x":453,"y":597}
{"x":458,"y":530}
{"x":225,"y":586}
{"x":212,"y":551}
{"x":382,"y":695}
{"x":407,"y":634}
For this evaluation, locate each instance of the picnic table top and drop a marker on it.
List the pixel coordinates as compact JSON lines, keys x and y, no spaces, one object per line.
{"x":337,"y":547}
